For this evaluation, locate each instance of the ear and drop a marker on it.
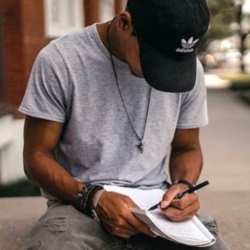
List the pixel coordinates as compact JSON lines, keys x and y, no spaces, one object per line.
{"x":124,"y":21}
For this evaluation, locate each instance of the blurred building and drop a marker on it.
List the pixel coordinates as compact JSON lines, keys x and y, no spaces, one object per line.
{"x":26,"y":26}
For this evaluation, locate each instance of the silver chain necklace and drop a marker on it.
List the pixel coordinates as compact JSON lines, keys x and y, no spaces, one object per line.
{"x":140,"y":146}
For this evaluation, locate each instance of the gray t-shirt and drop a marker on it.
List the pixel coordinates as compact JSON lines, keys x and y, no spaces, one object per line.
{"x":73,"y":82}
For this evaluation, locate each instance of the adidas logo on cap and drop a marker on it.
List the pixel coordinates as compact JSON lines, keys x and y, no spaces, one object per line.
{"x":187,"y":45}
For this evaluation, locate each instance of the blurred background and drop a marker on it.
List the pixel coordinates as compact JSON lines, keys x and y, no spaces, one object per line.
{"x":26,"y":26}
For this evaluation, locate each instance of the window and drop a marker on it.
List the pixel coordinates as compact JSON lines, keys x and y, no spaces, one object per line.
{"x":107,"y":9}
{"x":62,"y":17}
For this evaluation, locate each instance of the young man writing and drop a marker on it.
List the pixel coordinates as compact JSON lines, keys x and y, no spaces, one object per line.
{"x":104,"y":106}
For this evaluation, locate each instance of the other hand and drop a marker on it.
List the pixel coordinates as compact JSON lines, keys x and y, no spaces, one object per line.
{"x":113,"y":212}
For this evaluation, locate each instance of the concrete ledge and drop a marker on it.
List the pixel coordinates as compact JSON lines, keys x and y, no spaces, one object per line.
{"x":17,"y":217}
{"x":229,"y":208}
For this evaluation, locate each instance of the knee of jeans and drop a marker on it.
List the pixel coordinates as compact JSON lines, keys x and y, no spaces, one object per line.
{"x":210,"y":223}
{"x":56,"y":224}
{"x":53,"y":225}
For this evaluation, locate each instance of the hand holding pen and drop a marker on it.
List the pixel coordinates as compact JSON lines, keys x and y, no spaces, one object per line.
{"x":188,"y":191}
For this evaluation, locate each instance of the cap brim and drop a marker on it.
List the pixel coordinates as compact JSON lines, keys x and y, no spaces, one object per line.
{"x":167,"y":73}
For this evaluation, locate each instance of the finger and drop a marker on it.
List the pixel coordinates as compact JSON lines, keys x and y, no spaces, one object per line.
{"x":182,"y":218}
{"x":131,"y":227}
{"x":185,"y":201}
{"x":140,"y":227}
{"x":120,"y":228}
{"x":123,"y":232}
{"x":126,"y":226}
{"x":171,"y":194}
{"x":135,"y":223}
{"x":177,"y":214}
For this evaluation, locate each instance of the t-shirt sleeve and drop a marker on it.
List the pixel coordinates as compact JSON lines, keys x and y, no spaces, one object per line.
{"x":193,"y":112}
{"x":46,"y":96}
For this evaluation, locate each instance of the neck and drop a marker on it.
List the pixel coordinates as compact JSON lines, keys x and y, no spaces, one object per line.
{"x":109,"y":37}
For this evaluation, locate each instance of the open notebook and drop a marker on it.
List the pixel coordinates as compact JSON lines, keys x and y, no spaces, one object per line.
{"x":192,"y":232}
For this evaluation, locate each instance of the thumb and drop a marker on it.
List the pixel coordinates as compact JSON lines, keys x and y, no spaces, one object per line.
{"x":164,"y":204}
{"x":169,"y":196}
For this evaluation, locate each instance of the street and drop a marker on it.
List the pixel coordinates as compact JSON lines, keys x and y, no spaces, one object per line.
{"x":226,"y":150}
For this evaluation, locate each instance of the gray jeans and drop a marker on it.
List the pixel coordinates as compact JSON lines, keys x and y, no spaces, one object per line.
{"x":64,"y":228}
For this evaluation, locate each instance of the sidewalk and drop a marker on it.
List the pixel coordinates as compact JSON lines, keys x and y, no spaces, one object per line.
{"x":226,"y":150}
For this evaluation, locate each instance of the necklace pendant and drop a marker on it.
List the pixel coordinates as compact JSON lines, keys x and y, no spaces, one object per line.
{"x":140,"y":146}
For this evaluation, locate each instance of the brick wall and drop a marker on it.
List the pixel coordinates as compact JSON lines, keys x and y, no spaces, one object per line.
{"x":2,"y":75}
{"x":32,"y":15}
{"x":13,"y":54}
{"x":23,"y":37}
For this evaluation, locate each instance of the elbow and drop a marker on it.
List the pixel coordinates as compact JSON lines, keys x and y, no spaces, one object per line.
{"x":27,"y":173}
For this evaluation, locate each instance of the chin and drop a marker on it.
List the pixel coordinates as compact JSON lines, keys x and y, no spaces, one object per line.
{"x":137,"y":74}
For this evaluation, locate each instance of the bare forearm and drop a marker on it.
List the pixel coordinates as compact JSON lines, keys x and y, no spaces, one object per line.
{"x":40,"y":141}
{"x":43,"y":169}
{"x":186,"y":164}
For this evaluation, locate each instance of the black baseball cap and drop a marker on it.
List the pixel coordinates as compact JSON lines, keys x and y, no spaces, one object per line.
{"x":169,"y":32}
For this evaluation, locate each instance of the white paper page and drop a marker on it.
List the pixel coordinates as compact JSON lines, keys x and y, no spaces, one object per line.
{"x":179,"y":233}
{"x":189,"y":231}
{"x":203,"y":228}
{"x":143,"y":198}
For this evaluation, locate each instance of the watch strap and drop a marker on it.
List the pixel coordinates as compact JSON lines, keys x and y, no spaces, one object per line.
{"x":189,"y":184}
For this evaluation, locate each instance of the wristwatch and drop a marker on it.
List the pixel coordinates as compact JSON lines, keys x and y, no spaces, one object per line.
{"x":189,"y":184}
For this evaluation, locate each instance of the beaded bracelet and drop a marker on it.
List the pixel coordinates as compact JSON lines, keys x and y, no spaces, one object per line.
{"x":81,"y":197}
{"x":89,"y":199}
{"x":85,"y":199}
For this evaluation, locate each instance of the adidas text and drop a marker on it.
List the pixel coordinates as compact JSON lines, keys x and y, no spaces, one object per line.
{"x":184,"y":50}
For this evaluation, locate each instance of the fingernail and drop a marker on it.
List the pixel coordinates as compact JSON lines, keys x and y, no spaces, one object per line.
{"x":164,"y":204}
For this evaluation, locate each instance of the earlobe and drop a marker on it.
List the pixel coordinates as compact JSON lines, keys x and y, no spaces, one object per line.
{"x":124,"y":21}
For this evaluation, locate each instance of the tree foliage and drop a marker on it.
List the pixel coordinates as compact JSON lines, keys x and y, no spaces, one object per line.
{"x":223,"y":13}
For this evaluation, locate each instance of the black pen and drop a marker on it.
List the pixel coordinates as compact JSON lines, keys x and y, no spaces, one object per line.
{"x":188,"y":191}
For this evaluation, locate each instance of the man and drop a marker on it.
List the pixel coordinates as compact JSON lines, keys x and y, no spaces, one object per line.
{"x":104,"y":106}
